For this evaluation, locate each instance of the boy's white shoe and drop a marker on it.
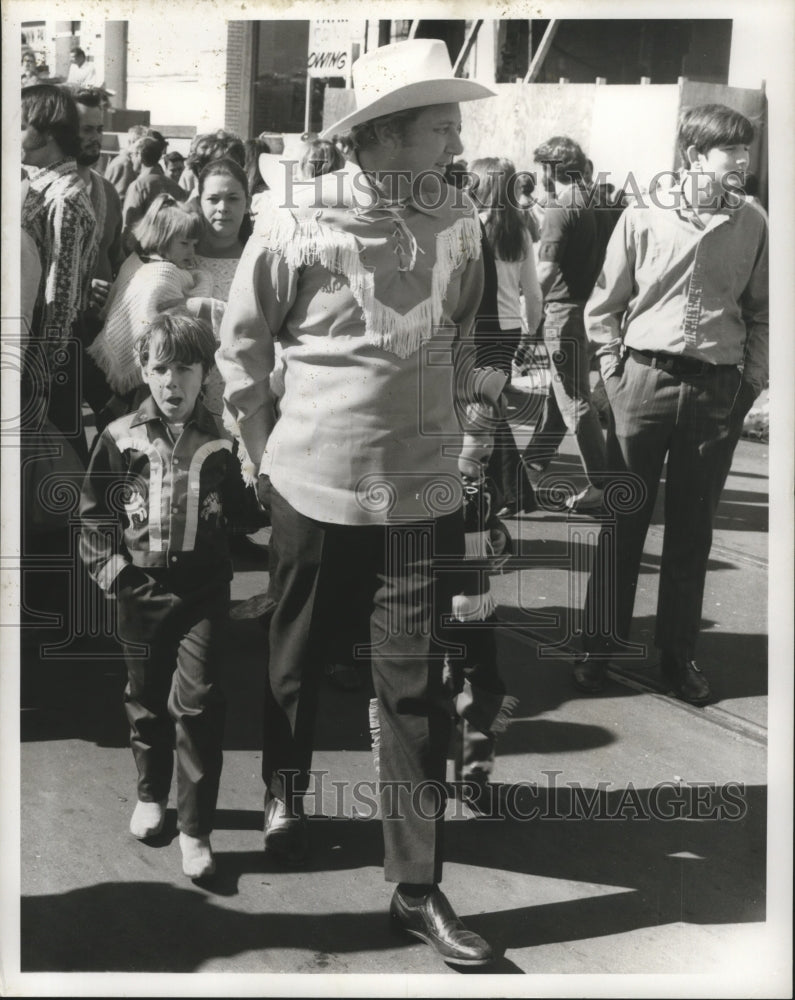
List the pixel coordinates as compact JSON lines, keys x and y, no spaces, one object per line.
{"x":147,"y":819}
{"x":197,"y":856}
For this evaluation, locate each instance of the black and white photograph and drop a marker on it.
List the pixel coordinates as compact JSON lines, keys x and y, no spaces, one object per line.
{"x":397,"y":522}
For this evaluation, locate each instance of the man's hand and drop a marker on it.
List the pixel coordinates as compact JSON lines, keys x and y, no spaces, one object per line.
{"x":610,"y":364}
{"x":743,"y":401}
{"x":98,"y":295}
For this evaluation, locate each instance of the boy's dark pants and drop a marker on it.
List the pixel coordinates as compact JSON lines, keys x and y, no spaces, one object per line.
{"x":173,"y":690}
{"x":321,"y":572}
{"x":694,"y":420}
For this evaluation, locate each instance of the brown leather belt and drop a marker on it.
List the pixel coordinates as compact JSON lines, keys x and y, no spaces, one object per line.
{"x":676,"y":364}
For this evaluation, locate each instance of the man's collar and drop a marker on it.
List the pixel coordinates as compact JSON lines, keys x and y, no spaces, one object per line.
{"x":201,"y":416}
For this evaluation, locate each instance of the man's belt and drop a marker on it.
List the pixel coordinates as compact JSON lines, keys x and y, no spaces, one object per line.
{"x":676,"y":364}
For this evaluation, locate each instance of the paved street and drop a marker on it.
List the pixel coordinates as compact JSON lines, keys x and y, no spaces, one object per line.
{"x":631,"y":828}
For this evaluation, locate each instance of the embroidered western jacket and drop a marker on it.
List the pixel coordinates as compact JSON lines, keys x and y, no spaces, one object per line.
{"x":152,"y":502}
{"x":373,"y":305}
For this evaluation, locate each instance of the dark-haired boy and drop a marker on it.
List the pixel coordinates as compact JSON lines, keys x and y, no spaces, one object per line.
{"x":679,"y":317}
{"x":570,"y":253}
{"x":163,"y":487}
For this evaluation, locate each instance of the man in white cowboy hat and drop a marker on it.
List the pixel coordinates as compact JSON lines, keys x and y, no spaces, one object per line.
{"x":369,"y":278}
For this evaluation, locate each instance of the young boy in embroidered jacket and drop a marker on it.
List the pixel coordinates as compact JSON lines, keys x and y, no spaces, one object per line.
{"x":167,"y":477}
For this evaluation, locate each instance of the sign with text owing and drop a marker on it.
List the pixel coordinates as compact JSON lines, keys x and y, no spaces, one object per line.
{"x":329,"y":48}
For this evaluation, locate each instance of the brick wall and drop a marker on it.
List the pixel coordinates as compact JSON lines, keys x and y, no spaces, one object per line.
{"x":238,"y":77}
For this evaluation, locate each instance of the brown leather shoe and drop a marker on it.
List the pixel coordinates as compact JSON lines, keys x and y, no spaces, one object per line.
{"x":589,"y":674}
{"x":432,"y":919}
{"x":686,"y":680}
{"x":285,"y":832}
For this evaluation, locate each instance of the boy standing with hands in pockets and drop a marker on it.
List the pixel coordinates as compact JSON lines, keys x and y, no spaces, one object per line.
{"x":679,"y":317}
{"x":163,"y":487}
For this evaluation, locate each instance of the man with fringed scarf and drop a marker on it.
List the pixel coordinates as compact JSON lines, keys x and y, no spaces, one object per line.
{"x":369,"y":278}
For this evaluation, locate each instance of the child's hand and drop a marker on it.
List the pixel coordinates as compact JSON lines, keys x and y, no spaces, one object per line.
{"x":200,"y":307}
{"x":129,"y":579}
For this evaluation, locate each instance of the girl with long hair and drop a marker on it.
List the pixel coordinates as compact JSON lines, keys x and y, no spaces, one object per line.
{"x":512,"y":294}
{"x":159,"y":276}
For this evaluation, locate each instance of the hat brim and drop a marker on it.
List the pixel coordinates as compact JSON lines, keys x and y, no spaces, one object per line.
{"x":413,"y":95}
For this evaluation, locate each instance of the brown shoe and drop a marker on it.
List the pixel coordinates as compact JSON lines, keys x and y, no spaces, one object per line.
{"x":589,"y":674}
{"x":432,"y":919}
{"x":285,"y":831}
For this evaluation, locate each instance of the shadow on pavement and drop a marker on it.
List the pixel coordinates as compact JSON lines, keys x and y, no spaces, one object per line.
{"x":641,"y":869}
{"x":735,"y":663}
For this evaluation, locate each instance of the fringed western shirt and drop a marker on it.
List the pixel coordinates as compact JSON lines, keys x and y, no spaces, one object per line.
{"x":373,"y":305}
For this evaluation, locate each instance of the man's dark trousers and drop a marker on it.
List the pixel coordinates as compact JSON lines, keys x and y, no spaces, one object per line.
{"x":694,"y":418}
{"x":327,"y":575}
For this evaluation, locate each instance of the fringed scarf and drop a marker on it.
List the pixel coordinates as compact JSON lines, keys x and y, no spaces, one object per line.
{"x":304,"y":241}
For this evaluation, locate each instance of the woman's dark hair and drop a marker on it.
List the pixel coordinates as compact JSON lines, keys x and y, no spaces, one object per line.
{"x":320,"y":157}
{"x":254,"y":149}
{"x":229,"y":168}
{"x":226,"y":168}
{"x":51,"y":109}
{"x":178,"y":336}
{"x":492,"y":186}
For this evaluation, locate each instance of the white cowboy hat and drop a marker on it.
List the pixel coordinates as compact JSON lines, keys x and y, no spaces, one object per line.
{"x":411,"y":74}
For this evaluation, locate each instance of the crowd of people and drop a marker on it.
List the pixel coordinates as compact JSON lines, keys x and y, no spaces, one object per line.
{"x":338,"y":369}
